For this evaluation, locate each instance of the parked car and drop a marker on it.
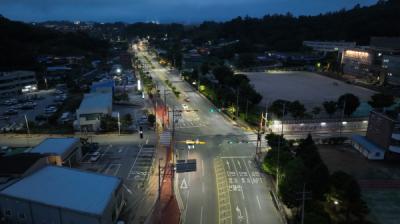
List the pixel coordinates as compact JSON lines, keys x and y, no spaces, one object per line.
{"x":10,"y":112}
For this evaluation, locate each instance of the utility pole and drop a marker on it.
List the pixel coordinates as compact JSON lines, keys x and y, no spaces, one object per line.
{"x":173,"y":150}
{"x":258,"y":146}
{"x":159,"y":178}
{"x":237,"y":103}
{"x":27,"y":127}
{"x":119,"y":125}
{"x":247,"y":107}
{"x":279,"y":148}
{"x":341,"y":119}
{"x":304,"y":196}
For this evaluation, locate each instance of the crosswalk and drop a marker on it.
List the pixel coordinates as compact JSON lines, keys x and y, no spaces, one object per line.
{"x":181,"y":124}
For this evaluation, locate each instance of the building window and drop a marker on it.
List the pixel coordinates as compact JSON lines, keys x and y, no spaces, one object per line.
{"x":8,"y":212}
{"x":22,"y":216}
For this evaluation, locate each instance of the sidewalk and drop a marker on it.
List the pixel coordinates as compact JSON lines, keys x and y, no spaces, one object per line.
{"x":166,"y":210}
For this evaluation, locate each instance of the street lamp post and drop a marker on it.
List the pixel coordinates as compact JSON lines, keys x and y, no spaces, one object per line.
{"x":279,"y":148}
{"x":27,"y":127}
{"x":119,"y":125}
{"x":159,"y":178}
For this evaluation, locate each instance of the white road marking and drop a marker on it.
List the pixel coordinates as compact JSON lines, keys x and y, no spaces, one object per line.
{"x":240,"y":217}
{"x":251,"y":179}
{"x":184,"y":184}
{"x":236,"y":157}
{"x":127,"y":189}
{"x":134,"y":162}
{"x":227,"y":163}
{"x":238,"y":162}
{"x":241,"y":191}
{"x":202,"y":168}
{"x":247,"y":215}
{"x":258,"y":201}
{"x":201,"y":215}
{"x":147,"y":141}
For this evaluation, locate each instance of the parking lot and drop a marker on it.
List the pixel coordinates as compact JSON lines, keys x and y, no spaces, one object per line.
{"x":128,"y":161}
{"x":42,"y":103}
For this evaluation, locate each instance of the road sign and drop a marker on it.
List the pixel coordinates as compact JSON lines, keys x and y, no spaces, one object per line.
{"x":183,"y":166}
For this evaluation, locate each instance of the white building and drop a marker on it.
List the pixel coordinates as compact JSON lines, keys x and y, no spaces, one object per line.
{"x":94,"y":106}
{"x":61,"y":151}
{"x":15,"y":82}
{"x":329,"y":46}
{"x":60,"y":195}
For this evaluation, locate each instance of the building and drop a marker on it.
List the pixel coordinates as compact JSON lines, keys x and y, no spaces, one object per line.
{"x":16,"y":82}
{"x":56,"y":73}
{"x":382,"y":140}
{"x":386,"y":45}
{"x":61,"y":151}
{"x":391,"y":66}
{"x":93,"y":107}
{"x":329,"y":46}
{"x":358,"y":61}
{"x":103,"y":86}
{"x":63,"y":195}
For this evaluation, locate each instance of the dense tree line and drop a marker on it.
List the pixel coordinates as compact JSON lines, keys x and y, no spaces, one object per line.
{"x":287,"y":32}
{"x":21,"y":44}
{"x":332,"y":198}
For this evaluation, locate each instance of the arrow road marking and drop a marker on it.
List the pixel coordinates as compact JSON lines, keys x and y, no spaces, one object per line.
{"x":240,"y":217}
{"x":258,"y":201}
{"x":227,"y":163}
{"x":240,"y":166}
{"x":184,"y":184}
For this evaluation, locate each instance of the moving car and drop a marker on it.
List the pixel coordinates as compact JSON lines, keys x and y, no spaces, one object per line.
{"x":185,"y":106}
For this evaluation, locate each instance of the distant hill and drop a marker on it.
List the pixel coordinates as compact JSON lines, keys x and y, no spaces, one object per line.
{"x":21,"y":43}
{"x":286,"y":32}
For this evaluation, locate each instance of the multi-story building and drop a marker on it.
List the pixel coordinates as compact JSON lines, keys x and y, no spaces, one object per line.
{"x":329,"y":46}
{"x":93,"y":107}
{"x":382,"y":140}
{"x":391,"y":66}
{"x":15,"y":82}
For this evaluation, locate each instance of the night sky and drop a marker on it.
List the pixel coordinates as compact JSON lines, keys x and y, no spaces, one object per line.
{"x":185,"y":11}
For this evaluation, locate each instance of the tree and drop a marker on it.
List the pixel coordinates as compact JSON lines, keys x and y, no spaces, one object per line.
{"x":126,"y":120}
{"x":296,"y":109}
{"x":205,"y":68}
{"x":379,"y":101}
{"x":246,"y":60}
{"x":273,"y":140}
{"x":108,"y":123}
{"x":277,"y":107}
{"x":291,"y":182}
{"x":316,"y":110}
{"x":349,"y":102}
{"x":151,"y":119}
{"x":345,"y":195}
{"x":330,"y":107}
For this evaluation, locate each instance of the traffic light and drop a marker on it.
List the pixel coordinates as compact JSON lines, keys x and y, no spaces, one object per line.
{"x":141,"y":131}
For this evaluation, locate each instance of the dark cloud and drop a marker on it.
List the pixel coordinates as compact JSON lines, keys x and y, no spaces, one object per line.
{"x":163,"y":10}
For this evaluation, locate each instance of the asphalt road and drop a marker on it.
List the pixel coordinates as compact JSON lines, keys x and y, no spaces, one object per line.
{"x":227,"y":187}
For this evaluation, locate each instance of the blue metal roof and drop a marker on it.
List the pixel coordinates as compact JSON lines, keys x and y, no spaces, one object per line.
{"x":366,"y":144}
{"x":68,"y":188}
{"x":57,"y":146}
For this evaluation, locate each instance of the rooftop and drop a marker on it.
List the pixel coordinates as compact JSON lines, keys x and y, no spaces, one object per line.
{"x":97,"y":102}
{"x":367,"y":145}
{"x":55,"y":145}
{"x":66,"y":188}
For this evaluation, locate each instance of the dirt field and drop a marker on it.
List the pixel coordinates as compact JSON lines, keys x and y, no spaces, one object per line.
{"x":309,"y":88}
{"x":380,"y":181}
